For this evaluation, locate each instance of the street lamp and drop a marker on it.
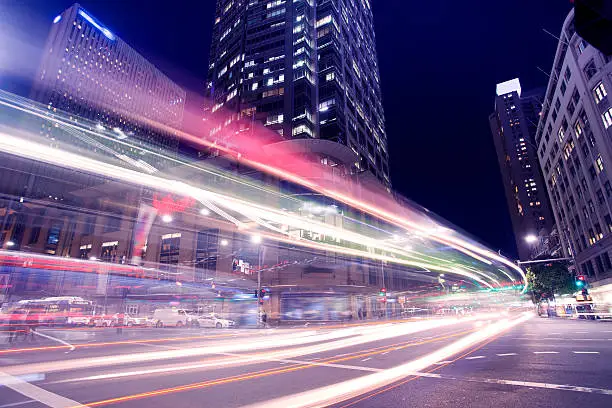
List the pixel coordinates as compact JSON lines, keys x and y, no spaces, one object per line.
{"x":205,"y":211}
{"x":256,"y":239}
{"x":531,"y":239}
{"x":224,"y":242}
{"x":166,"y":218}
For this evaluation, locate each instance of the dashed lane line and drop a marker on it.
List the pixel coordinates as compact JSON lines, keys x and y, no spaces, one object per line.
{"x":545,"y":352}
{"x":585,"y":352}
{"x":506,"y":354}
{"x":474,"y":357}
{"x":562,"y":387}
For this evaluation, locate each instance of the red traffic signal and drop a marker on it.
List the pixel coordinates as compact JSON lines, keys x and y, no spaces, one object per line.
{"x":581,"y":277}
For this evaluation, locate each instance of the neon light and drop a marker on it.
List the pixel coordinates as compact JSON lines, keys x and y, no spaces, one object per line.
{"x":94,"y":23}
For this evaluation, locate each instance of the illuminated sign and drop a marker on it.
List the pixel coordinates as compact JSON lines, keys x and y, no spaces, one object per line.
{"x":94,"y":23}
{"x":513,"y":85}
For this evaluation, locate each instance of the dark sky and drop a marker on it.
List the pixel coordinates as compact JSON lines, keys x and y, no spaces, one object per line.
{"x":439,"y":63}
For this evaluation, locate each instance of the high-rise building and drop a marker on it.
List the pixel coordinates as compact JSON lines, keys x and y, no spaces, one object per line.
{"x":90,"y":72}
{"x":513,"y":126}
{"x":305,"y":69}
{"x":575,"y":150}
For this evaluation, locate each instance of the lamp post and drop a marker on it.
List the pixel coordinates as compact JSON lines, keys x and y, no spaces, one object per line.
{"x":256,"y":239}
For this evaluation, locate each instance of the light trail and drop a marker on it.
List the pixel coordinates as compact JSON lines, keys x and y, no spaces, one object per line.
{"x":337,"y":339}
{"x":35,"y":151}
{"x":282,"y":356}
{"x":20,"y":147}
{"x":343,"y":391}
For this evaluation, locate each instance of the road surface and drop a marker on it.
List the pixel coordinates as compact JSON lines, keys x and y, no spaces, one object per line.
{"x":473,"y":362}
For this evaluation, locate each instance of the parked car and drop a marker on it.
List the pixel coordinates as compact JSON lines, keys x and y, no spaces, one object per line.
{"x":172,"y":318}
{"x":124,"y":319}
{"x":213,"y":320}
{"x":101,"y":321}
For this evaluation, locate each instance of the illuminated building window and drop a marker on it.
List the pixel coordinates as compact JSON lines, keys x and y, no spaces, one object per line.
{"x":607,"y":118}
{"x":599,"y":163}
{"x":578,"y":128}
{"x":599,"y":92}
{"x":273,"y":119}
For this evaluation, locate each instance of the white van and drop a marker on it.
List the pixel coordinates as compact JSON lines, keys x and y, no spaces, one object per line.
{"x":171,"y":318}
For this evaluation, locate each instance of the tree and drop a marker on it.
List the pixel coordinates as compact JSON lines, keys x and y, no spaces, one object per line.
{"x":547,"y":278}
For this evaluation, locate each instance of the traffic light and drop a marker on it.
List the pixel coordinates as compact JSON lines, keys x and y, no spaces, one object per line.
{"x":262,"y":294}
{"x":580,"y":281}
{"x":383,"y":292}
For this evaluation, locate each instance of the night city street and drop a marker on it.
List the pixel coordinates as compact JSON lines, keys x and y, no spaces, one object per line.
{"x":545,"y":362}
{"x":305,"y":203}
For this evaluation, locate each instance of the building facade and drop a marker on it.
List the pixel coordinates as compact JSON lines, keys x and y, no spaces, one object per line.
{"x":305,"y":69}
{"x":90,"y":72}
{"x":513,"y":126}
{"x":575,"y":151}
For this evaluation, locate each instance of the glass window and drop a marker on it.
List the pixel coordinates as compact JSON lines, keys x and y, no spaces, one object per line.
{"x":599,"y":163}
{"x":607,"y":118}
{"x":599,"y":92}
{"x":590,"y":69}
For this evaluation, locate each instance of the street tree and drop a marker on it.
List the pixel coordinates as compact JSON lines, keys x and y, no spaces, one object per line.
{"x":549,"y":278}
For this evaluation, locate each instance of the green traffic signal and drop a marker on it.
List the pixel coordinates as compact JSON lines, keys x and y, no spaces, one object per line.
{"x":579,"y":283}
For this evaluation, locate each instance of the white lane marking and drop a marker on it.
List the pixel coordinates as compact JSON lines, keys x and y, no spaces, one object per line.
{"x":65,"y":343}
{"x":15,"y":404}
{"x":581,"y":332}
{"x":474,"y":357}
{"x":443,"y":362}
{"x":386,"y":352}
{"x":555,"y":334}
{"x":563,"y":387}
{"x":159,"y":346}
{"x":552,"y":338}
{"x":36,"y":393}
{"x":545,"y":352}
{"x":366,"y":359}
{"x":522,"y":338}
{"x":585,"y":352}
{"x":506,"y":354}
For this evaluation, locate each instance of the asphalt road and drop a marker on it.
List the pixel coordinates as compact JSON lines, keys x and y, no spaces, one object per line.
{"x":537,"y":363}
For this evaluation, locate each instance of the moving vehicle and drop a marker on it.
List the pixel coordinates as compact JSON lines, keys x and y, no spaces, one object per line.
{"x":171,"y":317}
{"x":213,"y":320}
{"x":101,"y":321}
{"x":61,"y":310}
{"x":124,"y":319}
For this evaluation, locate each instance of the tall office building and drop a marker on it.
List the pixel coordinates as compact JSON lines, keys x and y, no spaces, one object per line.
{"x":575,"y":150}
{"x":305,"y":69}
{"x":513,"y":126}
{"x":90,"y":72}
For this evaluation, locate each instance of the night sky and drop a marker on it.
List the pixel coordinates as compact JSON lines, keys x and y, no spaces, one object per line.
{"x":439,"y":63}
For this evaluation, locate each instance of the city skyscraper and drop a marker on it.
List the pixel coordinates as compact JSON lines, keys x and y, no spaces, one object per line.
{"x":575,"y":150}
{"x":513,"y":126}
{"x":305,"y":69}
{"x":90,"y":72}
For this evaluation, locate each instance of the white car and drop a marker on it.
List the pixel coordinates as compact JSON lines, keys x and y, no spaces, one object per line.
{"x":171,"y":318}
{"x":212,"y":320}
{"x":125,"y":319}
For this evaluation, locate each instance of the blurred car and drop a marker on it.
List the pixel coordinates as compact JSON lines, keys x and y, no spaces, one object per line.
{"x":124,"y":319}
{"x":171,"y":318}
{"x":212,"y":320}
{"x":101,"y":321}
